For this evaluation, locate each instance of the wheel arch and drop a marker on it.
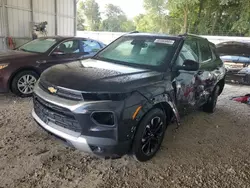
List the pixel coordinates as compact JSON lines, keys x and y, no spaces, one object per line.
{"x":221,"y":84}
{"x":163,"y":102}
{"x":166,"y":108}
{"x":166,"y":105}
{"x":21,"y":70}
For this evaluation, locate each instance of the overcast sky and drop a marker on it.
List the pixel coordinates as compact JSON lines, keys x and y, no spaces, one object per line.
{"x":130,"y":7}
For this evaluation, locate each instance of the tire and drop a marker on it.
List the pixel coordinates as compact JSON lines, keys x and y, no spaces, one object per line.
{"x":19,"y":84}
{"x":147,"y":129}
{"x":210,"y":106}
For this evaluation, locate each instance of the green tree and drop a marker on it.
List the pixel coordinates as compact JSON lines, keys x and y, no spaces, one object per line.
{"x":211,"y":17}
{"x":128,"y":25}
{"x":92,"y":14}
{"x":223,"y":17}
{"x":182,"y":6}
{"x":80,"y":17}
{"x":242,"y":24}
{"x":156,"y":13}
{"x":116,"y":20}
{"x":144,"y":23}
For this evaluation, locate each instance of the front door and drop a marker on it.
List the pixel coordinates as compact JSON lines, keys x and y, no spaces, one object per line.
{"x":65,"y":52}
{"x":185,"y":82}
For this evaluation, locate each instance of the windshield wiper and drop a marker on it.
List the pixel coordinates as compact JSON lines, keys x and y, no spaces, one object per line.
{"x":24,"y":50}
{"x":117,"y":62}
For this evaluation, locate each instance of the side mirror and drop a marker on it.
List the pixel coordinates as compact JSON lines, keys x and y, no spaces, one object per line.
{"x":189,"y":65}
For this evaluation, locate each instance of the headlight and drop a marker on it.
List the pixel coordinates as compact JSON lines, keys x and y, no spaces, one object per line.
{"x":2,"y":66}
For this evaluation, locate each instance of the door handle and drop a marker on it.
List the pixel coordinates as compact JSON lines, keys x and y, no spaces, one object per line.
{"x":41,"y":62}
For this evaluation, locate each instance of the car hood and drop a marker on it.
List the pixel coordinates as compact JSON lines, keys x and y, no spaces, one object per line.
{"x":6,"y":55}
{"x":236,"y":59}
{"x":99,"y":76}
{"x":234,"y":48}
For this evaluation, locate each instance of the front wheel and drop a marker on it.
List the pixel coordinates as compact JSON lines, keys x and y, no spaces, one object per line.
{"x":149,"y":135}
{"x":210,"y":106}
{"x":23,"y":83}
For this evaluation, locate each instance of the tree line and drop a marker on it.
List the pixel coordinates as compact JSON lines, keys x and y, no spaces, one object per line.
{"x":206,"y":17}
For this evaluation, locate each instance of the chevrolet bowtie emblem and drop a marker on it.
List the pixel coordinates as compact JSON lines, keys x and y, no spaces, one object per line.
{"x":52,"y":90}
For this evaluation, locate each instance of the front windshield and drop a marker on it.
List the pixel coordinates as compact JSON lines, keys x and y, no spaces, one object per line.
{"x":39,"y":45}
{"x":145,"y":52}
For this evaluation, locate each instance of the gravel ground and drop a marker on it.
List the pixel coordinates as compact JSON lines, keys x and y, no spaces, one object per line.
{"x":208,"y":150}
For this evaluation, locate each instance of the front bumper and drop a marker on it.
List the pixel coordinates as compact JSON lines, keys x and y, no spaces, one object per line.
{"x":3,"y":82}
{"x":76,"y":141}
{"x":103,"y":147}
{"x":92,"y":138}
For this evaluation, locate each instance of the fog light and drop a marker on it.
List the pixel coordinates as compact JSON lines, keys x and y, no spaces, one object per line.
{"x":104,"y":118}
{"x":97,"y":149}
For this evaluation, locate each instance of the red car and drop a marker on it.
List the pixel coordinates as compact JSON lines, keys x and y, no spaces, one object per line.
{"x":21,"y":68}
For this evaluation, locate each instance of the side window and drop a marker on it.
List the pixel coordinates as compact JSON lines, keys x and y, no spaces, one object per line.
{"x":206,"y":53}
{"x":189,"y":51}
{"x":68,"y":47}
{"x":90,"y":46}
{"x":213,"y":49}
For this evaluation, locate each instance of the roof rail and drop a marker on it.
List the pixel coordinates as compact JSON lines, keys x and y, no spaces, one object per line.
{"x":133,"y":32}
{"x":191,"y":35}
{"x":184,"y":34}
{"x":188,"y":34}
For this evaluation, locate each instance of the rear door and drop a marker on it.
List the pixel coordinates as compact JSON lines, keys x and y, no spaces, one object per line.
{"x":206,"y":78}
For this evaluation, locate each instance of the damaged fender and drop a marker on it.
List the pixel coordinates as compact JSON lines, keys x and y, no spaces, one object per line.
{"x":163,"y":100}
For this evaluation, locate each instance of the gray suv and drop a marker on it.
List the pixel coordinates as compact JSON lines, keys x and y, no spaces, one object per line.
{"x":122,"y":100}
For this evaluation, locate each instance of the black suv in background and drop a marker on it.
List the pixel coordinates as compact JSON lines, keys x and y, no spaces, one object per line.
{"x":121,"y":100}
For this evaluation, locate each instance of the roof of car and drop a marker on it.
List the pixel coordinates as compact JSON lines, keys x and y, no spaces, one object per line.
{"x":152,"y":35}
{"x":65,"y":37}
{"x":182,"y":36}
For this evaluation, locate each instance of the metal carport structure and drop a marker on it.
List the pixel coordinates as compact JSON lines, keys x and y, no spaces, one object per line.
{"x":17,"y":16}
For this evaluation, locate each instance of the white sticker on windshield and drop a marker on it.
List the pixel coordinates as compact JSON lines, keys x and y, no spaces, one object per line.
{"x":164,"y":41}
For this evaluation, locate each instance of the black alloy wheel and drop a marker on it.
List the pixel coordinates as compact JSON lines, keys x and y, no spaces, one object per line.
{"x":149,"y":135}
{"x":152,"y":136}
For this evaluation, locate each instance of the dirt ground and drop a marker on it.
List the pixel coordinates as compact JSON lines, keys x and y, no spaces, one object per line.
{"x":208,"y":150}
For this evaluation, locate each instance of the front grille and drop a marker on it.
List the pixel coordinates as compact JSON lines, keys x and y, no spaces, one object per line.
{"x":104,"y":96}
{"x":67,"y":94}
{"x":44,"y":86}
{"x":62,"y":117}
